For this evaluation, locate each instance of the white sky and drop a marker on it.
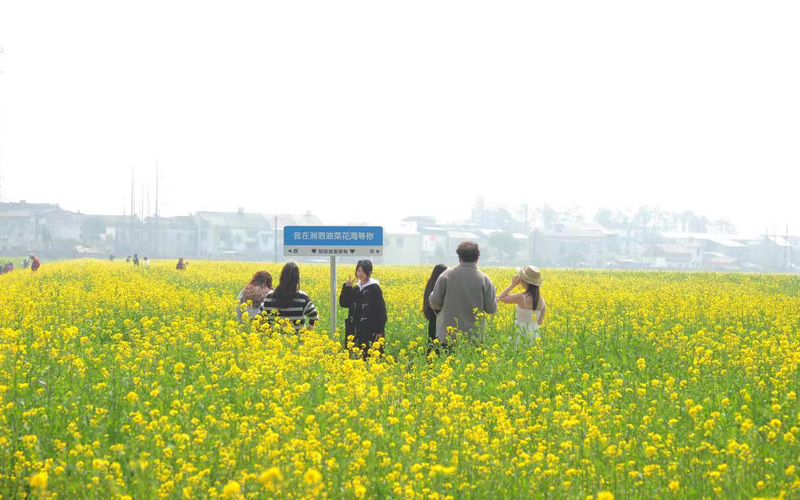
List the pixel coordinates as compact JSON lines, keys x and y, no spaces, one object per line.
{"x":372,"y":111}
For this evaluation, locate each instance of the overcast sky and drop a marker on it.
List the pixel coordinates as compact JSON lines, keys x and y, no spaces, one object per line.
{"x":373,"y":111}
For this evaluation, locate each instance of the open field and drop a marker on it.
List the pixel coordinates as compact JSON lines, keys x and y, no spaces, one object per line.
{"x":120,"y":383}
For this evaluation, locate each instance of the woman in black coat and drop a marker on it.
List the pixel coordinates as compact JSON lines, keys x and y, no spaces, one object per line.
{"x":366,"y":322}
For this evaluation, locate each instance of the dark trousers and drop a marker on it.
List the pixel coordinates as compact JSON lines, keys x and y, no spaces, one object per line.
{"x":432,"y":344}
{"x":364,"y":343}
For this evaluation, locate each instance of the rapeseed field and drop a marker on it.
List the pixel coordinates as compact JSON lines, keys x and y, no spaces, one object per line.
{"x":136,"y":383}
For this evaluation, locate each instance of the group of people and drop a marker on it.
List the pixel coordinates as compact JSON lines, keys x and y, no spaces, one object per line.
{"x":454,"y":300}
{"x":180,"y":266}
{"x":135,"y":260}
{"x":32,"y":264}
{"x":458,"y":299}
{"x":7,"y":268}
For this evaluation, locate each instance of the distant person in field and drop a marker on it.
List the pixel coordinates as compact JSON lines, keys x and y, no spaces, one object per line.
{"x":288,"y":302}
{"x":181,"y":265}
{"x":366,"y":321}
{"x":128,"y":259}
{"x":427,"y":310}
{"x":136,"y":259}
{"x":146,"y":262}
{"x":26,"y":263}
{"x":34,"y":263}
{"x":111,"y":257}
{"x":7,"y":268}
{"x":530,"y":305}
{"x":460,"y":295}
{"x":251,"y":297}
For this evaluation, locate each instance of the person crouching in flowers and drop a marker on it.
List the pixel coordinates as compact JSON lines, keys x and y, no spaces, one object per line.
{"x":288,"y":302}
{"x":530,"y":305}
{"x":366,"y":322}
{"x":253,"y":295}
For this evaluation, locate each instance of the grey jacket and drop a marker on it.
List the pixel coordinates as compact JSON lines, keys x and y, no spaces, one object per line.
{"x":457,"y":293}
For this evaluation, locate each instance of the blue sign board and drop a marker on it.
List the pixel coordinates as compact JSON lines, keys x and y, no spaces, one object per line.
{"x":333,"y":240}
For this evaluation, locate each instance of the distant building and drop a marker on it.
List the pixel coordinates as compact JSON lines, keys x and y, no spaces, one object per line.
{"x":19,"y":231}
{"x":629,"y":248}
{"x":210,"y":235}
{"x":100,"y":232}
{"x":434,"y":245}
{"x":504,"y":248}
{"x":715,"y":261}
{"x":566,"y":245}
{"x":166,"y":237}
{"x":42,"y":228}
{"x":245,"y":235}
{"x":671,"y":256}
{"x":52,"y":232}
{"x":233,"y":235}
{"x":402,"y":245}
{"x":771,"y":253}
{"x":719,"y":252}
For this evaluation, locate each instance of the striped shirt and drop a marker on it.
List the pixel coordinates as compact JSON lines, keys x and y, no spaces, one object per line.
{"x":297,"y":312}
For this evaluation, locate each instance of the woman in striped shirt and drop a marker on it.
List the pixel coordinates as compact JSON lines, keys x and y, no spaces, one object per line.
{"x":288,"y":302}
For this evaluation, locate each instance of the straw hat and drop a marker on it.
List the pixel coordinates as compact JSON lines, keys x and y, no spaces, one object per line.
{"x":530,"y":275}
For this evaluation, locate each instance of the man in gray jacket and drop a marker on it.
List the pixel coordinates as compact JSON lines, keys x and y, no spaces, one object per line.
{"x":460,"y":293}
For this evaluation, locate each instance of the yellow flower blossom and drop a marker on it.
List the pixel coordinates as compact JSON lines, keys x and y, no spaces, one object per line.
{"x":39,"y":481}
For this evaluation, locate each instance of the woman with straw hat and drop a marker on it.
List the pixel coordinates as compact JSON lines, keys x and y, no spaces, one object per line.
{"x":530,"y":305}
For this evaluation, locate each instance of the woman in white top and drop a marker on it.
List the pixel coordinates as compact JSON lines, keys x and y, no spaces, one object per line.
{"x":530,"y":305}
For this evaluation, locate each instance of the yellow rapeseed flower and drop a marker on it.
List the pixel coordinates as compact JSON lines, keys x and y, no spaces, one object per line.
{"x":231,"y":490}
{"x":312,"y":477}
{"x":270,"y":476}
{"x":39,"y":480}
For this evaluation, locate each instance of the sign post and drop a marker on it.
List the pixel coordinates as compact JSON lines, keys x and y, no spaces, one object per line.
{"x":333,"y":241}
{"x":333,"y":294}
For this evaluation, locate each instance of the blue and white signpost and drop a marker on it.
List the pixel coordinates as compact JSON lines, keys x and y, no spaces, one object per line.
{"x":333,"y":241}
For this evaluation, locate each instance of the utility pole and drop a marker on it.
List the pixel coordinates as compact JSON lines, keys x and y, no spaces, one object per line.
{"x":786,"y":249}
{"x":275,"y":237}
{"x":140,"y":223}
{"x":133,"y":207}
{"x":119,"y":245}
{"x":156,"y":245}
{"x":525,"y":218}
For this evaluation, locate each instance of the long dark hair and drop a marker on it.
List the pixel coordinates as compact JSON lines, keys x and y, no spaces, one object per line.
{"x":438,"y":269}
{"x":259,"y":286}
{"x":288,"y":285}
{"x":533,"y":291}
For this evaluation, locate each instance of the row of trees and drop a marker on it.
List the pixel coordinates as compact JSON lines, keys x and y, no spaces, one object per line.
{"x":664,"y":220}
{"x":502,"y":246}
{"x":524,"y":219}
